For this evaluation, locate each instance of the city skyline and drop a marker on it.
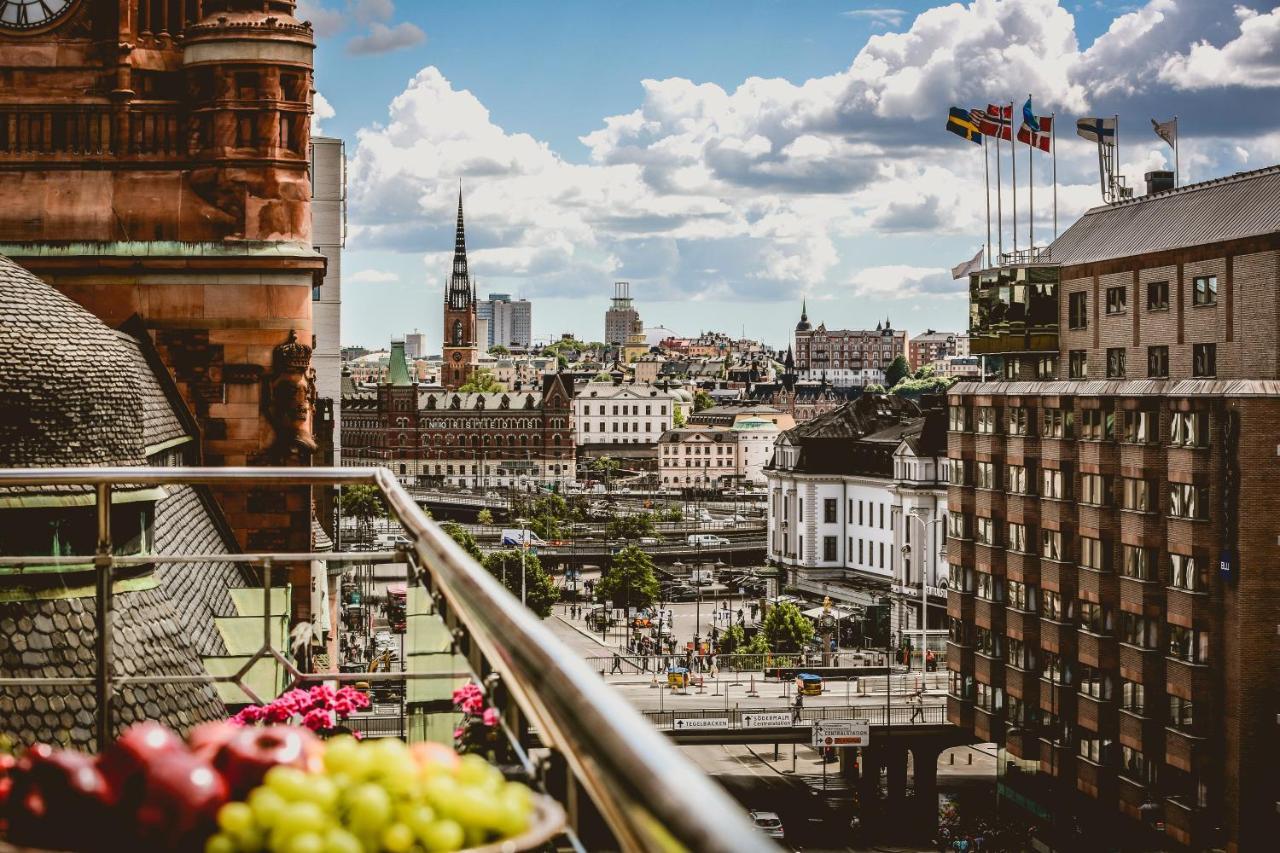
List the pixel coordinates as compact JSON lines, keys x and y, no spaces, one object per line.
{"x":829,"y":178}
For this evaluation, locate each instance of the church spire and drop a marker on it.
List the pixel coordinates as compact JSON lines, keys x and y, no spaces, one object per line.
{"x":460,"y":294}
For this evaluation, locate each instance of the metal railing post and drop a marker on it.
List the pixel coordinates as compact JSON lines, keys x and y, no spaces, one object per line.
{"x":102,"y":564}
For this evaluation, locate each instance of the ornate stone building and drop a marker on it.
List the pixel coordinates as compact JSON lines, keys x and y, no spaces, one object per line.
{"x":461,"y":354}
{"x":153,"y":163}
{"x":522,"y":438}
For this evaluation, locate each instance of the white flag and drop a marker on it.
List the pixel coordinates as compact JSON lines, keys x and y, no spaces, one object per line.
{"x":1166,"y":130}
{"x":972,"y":265}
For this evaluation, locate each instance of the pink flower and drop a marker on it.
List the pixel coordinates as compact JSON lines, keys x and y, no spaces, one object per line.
{"x":278,"y":714}
{"x":317,"y":719}
{"x":343,"y":708}
{"x":458,"y":733}
{"x":490,"y":717}
{"x":358,"y":735}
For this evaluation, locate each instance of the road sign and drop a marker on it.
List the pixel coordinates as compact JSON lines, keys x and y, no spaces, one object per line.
{"x":769,"y":720}
{"x":703,"y":723}
{"x":841,"y":733}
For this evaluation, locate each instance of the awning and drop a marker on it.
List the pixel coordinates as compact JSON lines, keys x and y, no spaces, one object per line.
{"x":839,"y":612}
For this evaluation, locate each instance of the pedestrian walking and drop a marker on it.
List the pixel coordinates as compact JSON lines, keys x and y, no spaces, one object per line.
{"x":797,"y":708}
{"x":617,"y":664}
{"x":917,"y":700}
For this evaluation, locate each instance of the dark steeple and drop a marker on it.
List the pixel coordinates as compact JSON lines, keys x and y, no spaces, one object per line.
{"x":804,"y":325}
{"x":460,"y":294}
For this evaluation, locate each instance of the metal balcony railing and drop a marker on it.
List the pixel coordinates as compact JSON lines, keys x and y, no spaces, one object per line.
{"x":599,"y":755}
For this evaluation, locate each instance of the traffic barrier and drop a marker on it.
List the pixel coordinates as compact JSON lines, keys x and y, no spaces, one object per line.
{"x":751,"y":689}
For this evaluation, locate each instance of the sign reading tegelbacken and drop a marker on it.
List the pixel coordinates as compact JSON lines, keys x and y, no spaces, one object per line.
{"x":703,"y":723}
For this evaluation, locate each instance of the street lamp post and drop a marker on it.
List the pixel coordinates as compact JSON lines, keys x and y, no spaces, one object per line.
{"x":524,"y":546}
{"x":926,"y":527}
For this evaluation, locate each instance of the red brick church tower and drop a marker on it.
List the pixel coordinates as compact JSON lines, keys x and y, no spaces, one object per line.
{"x":153,"y":162}
{"x":460,"y":352}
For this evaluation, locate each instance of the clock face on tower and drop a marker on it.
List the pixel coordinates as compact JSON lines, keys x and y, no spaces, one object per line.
{"x":457,"y":356}
{"x":19,"y":16}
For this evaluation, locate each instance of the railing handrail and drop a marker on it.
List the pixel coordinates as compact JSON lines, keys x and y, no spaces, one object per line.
{"x":640,"y":782}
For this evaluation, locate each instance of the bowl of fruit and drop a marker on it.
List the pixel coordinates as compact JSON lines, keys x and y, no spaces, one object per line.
{"x":229,"y":788}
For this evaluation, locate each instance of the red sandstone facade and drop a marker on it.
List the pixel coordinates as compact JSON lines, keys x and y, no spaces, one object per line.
{"x":153,"y":161}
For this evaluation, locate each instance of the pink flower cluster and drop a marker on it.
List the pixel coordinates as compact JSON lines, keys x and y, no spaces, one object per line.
{"x":316,"y":707}
{"x":476,"y":717}
{"x":469,"y":698}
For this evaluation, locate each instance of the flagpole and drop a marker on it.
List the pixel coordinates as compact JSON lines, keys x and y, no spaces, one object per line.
{"x":1115,"y":159}
{"x":1176,"y":170}
{"x":1031,"y":193}
{"x":999,"y":203}
{"x":1013,"y":166}
{"x":986,"y":174}
{"x":1053,"y":144}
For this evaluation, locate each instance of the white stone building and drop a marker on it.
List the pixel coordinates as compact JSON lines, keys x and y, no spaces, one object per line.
{"x":608,"y":413}
{"x":328,"y":234}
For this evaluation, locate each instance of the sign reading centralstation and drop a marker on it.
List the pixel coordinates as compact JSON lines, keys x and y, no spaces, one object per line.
{"x":841,"y":733}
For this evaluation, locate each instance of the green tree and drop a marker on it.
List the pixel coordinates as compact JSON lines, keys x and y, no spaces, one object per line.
{"x":630,"y":526}
{"x":786,"y":629}
{"x":481,"y":380}
{"x":540,"y":590}
{"x":678,"y":419}
{"x":463,"y":537}
{"x":673,"y":513}
{"x":363,"y":503}
{"x":897,"y":371}
{"x":630,"y":581}
{"x":484,"y":516}
{"x":733,"y":639}
{"x":873,"y":388}
{"x":923,"y":386}
{"x":605,"y":466}
{"x":702,"y":400}
{"x":499,"y":349}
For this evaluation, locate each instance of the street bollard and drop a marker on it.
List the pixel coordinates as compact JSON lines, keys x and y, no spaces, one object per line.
{"x":970,"y":757}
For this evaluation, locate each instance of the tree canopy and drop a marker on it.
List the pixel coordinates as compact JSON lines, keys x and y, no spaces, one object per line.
{"x":897,"y":370}
{"x":702,"y":400}
{"x":499,"y":349}
{"x":630,"y":580}
{"x":463,"y":537}
{"x":362,"y":502}
{"x":630,"y":526}
{"x":481,"y":380}
{"x":540,"y":590}
{"x":786,"y":629}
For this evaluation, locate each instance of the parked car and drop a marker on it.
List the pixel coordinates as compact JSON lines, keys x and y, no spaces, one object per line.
{"x":706,"y":540}
{"x":390,"y":540}
{"x":650,"y":540}
{"x":769,"y":823}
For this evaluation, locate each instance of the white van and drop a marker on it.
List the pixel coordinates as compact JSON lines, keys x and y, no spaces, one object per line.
{"x":390,"y":541}
{"x":706,"y":540}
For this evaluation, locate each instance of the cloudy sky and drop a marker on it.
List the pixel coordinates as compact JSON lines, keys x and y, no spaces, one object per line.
{"x":732,"y":158}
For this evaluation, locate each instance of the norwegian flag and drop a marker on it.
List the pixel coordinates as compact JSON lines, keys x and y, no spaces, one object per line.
{"x":1041,"y":137}
{"x":995,"y":121}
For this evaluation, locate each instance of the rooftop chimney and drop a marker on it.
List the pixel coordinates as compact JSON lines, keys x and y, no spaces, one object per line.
{"x":1158,"y":181}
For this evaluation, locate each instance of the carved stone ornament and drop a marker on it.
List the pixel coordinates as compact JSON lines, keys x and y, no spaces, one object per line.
{"x":290,"y":399}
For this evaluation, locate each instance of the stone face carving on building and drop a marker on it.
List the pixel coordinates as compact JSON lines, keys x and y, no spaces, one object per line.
{"x":290,"y":396}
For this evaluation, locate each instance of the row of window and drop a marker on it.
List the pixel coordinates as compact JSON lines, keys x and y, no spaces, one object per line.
{"x":1186,"y":500}
{"x":627,"y":426}
{"x":1204,"y":362}
{"x":633,"y":410}
{"x":1204,"y":291}
{"x":1140,"y":426}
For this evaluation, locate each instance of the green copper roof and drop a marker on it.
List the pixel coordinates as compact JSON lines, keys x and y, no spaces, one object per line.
{"x":399,"y":372}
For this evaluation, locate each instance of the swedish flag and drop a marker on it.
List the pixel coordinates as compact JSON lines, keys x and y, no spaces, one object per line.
{"x":962,"y":124}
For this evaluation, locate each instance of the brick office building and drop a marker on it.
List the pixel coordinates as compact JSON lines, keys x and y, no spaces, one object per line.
{"x":522,"y":438}
{"x":1113,"y":605}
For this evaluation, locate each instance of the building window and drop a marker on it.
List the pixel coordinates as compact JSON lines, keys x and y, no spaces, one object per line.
{"x":959,"y":421}
{"x":1053,"y":606}
{"x":1158,"y":362}
{"x":1204,"y":290}
{"x":1055,"y":484}
{"x":1188,"y":573}
{"x":989,"y":643}
{"x":1204,"y":360}
{"x":1132,"y":696}
{"x":829,"y":511}
{"x":1181,"y":714}
{"x":984,"y":531}
{"x":987,"y":422}
{"x":1137,"y":495}
{"x":1095,"y":489}
{"x":1046,"y":367}
{"x":1096,"y":683}
{"x":986,"y":476}
{"x":1157,"y":296}
{"x":1117,"y":298}
{"x":1051,"y":545}
{"x":1141,"y":427}
{"x":1078,"y":310}
{"x":1140,"y":631}
{"x":1115,"y":363}
{"x":1018,"y":421}
{"x":1188,"y":644}
{"x":959,"y":526}
{"x":1094,"y":554}
{"x":1138,"y":563}
{"x":1057,"y":423}
{"x":1017,"y":480}
{"x":1097,"y":425}
{"x":1018,"y":537}
{"x":1189,"y":429}
{"x":1022,"y":596}
{"x":1077,"y":364}
{"x":1188,"y":501}
{"x":828,"y":548}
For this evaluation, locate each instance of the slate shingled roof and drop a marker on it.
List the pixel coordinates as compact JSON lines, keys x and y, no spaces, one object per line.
{"x":160,"y":423}
{"x":55,"y":638}
{"x":1230,"y":208}
{"x":68,"y":395}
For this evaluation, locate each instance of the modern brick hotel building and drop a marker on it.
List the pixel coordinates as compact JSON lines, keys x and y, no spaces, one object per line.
{"x":1115,"y":598}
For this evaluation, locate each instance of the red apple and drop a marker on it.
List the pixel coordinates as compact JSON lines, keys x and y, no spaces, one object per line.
{"x":180,"y":802}
{"x":59,"y":799}
{"x":128,"y":759}
{"x":247,"y":757}
{"x":207,"y":739}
